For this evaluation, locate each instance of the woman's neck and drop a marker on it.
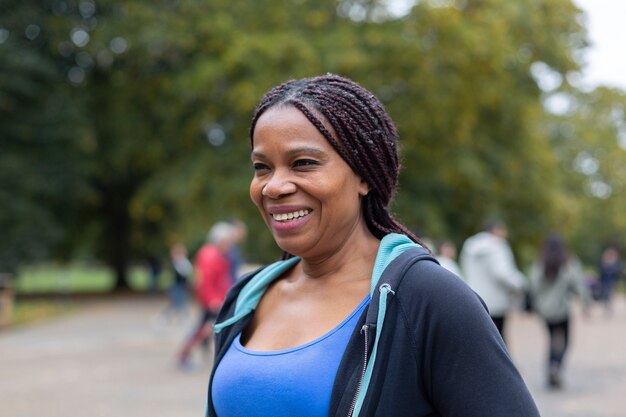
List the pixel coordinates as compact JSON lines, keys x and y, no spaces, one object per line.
{"x":352,"y":258}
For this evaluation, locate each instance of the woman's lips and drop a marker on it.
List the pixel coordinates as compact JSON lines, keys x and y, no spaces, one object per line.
{"x":288,"y":218}
{"x":292,"y":215}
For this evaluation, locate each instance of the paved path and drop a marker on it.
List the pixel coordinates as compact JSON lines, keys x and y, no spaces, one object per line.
{"x":595,"y":368}
{"x":110,"y":360}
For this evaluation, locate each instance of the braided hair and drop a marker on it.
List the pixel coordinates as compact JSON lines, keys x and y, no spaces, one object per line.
{"x":365,"y":137}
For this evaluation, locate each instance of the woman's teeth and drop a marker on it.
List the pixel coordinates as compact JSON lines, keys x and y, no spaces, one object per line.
{"x":283,"y":217}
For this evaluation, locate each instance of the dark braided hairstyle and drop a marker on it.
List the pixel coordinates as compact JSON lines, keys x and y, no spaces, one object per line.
{"x":365,"y":137}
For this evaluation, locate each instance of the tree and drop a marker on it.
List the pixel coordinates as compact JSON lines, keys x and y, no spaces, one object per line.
{"x":460,"y":87}
{"x":589,"y":138}
{"x":41,"y":173}
{"x":161,"y":94}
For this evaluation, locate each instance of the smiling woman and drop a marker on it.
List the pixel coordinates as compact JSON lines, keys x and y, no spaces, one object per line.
{"x":306,"y":193}
{"x":357,"y":319}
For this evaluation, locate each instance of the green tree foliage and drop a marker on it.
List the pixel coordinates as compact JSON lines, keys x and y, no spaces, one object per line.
{"x":150,"y":102}
{"x":458,"y":82}
{"x":588,"y":133}
{"x":41,"y":169}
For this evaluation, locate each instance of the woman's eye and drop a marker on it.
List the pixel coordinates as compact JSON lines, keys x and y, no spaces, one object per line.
{"x":305,"y":163}
{"x":259,"y":166}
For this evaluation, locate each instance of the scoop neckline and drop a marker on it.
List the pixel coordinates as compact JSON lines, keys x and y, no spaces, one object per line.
{"x":243,"y":349}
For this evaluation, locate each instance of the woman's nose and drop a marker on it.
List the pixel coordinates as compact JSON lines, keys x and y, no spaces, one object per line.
{"x":279,"y":185}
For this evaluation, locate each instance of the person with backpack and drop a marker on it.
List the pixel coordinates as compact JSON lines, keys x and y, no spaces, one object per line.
{"x":357,"y":319}
{"x":555,"y":276}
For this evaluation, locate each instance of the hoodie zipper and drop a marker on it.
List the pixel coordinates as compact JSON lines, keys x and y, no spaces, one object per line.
{"x":365,"y":332}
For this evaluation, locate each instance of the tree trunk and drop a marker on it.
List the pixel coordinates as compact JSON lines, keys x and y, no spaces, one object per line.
{"x":121,"y":275}
{"x":117,"y":227}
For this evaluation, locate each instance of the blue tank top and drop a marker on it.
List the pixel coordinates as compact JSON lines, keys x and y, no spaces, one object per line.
{"x":282,"y":383}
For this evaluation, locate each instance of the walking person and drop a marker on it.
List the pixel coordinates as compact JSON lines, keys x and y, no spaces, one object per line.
{"x":154,"y":273}
{"x":178,"y":292}
{"x":610,"y":270}
{"x":213,"y":281}
{"x":234,"y":254}
{"x":489,"y":268}
{"x":182,"y":271}
{"x":555,"y":276}
{"x":358,"y":319}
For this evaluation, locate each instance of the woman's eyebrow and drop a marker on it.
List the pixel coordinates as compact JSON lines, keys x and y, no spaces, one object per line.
{"x":308,"y":150}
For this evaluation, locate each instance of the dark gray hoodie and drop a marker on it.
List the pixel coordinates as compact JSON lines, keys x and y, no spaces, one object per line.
{"x":432,"y":349}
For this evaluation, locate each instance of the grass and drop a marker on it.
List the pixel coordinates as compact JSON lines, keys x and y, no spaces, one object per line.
{"x":71,"y":278}
{"x":31,"y":311}
{"x":65,"y":279}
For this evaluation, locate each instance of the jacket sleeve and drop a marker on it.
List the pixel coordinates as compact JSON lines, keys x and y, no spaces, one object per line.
{"x":466,"y":369}
{"x":504,"y":270}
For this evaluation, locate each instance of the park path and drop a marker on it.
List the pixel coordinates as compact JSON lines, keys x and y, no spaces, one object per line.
{"x":595,"y":367}
{"x":111,"y":360}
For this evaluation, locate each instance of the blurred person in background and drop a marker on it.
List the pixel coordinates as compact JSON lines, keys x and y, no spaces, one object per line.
{"x":357,"y":319}
{"x":446,"y":256}
{"x":489,"y":268}
{"x":555,"y":276}
{"x":178,"y":293}
{"x":610,"y":269}
{"x":182,"y":271}
{"x":154,"y":273}
{"x":234,"y":254}
{"x":213,"y":279}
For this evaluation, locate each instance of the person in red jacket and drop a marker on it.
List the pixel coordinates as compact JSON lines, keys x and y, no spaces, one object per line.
{"x":212,"y":283}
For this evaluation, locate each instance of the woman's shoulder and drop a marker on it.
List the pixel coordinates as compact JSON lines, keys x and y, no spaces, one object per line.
{"x":235,"y":290}
{"x":427,"y":282}
{"x":435,"y":303}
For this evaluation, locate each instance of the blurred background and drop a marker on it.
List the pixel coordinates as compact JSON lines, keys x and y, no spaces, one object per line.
{"x":124,"y":131}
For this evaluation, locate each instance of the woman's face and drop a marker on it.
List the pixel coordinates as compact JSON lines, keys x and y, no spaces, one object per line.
{"x":307,"y":194}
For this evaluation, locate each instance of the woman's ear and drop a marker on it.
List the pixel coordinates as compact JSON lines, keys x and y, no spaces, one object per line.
{"x":364,"y":188}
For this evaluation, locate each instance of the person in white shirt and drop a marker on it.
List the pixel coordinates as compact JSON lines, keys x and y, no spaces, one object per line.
{"x":489,"y":269}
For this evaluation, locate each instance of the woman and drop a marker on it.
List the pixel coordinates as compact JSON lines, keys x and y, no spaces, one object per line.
{"x":555,"y":276}
{"x":358,"y":319}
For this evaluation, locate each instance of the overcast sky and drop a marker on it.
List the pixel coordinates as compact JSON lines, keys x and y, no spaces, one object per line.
{"x":606,"y":58}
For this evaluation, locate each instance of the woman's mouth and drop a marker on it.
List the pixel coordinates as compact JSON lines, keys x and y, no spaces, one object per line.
{"x":294,"y":215}
{"x":289,"y":219}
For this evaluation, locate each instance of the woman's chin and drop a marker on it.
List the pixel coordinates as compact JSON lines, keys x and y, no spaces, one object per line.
{"x":290,"y":247}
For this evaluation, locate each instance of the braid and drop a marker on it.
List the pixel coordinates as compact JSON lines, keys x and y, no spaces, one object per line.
{"x":388,"y":224}
{"x":362,"y":133}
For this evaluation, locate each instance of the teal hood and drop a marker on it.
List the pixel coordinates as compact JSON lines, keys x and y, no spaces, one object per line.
{"x":391,"y":246}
